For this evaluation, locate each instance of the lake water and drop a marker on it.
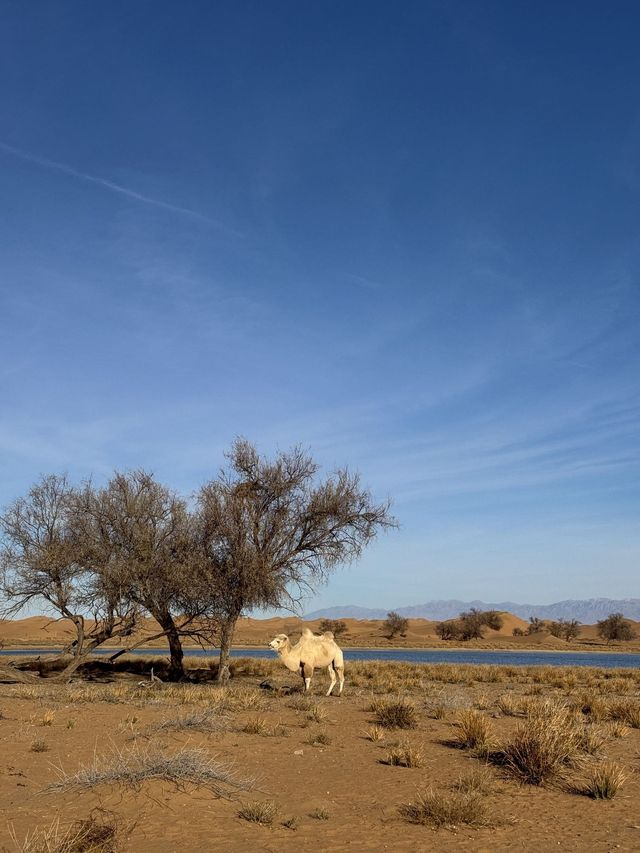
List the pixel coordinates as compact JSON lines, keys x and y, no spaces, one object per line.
{"x":607,"y":660}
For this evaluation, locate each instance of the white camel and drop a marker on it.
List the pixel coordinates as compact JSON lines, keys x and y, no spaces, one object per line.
{"x":311,"y":651}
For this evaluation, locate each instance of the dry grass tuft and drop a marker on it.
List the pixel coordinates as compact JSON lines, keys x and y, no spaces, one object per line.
{"x":474,"y":731}
{"x":592,"y":739}
{"x":616,"y":729}
{"x":317,"y":714}
{"x":374,"y":733}
{"x":300,"y":702}
{"x":39,"y":746}
{"x":197,"y":721}
{"x":259,"y":811}
{"x":438,"y":710}
{"x":626,"y":711}
{"x":319,"y":739}
{"x":47,"y":718}
{"x":604,"y":780}
{"x":395,"y":714}
{"x":511,"y":706}
{"x":320,"y":814}
{"x":99,"y":833}
{"x":594,"y":706}
{"x":256,"y":726}
{"x":404,"y":755}
{"x":478,"y":781}
{"x":137,"y":765}
{"x":446,"y":809}
{"x":542,"y":747}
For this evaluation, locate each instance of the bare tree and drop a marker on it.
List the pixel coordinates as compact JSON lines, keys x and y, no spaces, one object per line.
{"x":140,"y":543}
{"x":337,"y":626}
{"x":616,"y":627}
{"x":395,"y":624}
{"x":269,"y":531}
{"x":449,"y":630}
{"x":565,"y":629}
{"x":473,"y":622}
{"x":536,"y":625}
{"x":45,"y":559}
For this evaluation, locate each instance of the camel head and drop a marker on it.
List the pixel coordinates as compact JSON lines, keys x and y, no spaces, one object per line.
{"x":278,"y":643}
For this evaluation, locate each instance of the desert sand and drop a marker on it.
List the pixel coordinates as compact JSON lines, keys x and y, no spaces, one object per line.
{"x":313,"y":760}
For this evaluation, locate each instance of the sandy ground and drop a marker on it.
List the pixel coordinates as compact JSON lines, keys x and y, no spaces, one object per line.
{"x":345,"y":777}
{"x":38,"y":631}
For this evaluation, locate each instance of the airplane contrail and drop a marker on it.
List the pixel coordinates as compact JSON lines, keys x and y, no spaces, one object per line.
{"x":113,"y":187}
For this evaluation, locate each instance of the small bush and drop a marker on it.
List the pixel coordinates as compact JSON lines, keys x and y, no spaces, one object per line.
{"x":404,"y":755}
{"x":604,"y":780}
{"x":395,"y":714}
{"x":259,"y":811}
{"x":39,"y":746}
{"x":450,"y":809}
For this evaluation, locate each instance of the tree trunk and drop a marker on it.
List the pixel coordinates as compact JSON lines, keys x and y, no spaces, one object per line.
{"x":227,"y":629}
{"x":176,"y":665}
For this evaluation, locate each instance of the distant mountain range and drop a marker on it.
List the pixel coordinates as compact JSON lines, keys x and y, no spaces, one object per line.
{"x":586,"y":611}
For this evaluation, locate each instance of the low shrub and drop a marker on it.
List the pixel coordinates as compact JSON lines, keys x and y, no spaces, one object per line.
{"x":446,"y":809}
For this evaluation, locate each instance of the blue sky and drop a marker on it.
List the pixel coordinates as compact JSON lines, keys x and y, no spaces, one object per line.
{"x":403,"y":235}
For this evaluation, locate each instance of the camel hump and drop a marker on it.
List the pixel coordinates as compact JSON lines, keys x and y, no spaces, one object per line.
{"x":307,"y":634}
{"x":328,"y":635}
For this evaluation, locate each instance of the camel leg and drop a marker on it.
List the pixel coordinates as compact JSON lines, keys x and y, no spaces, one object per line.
{"x":332,"y":675}
{"x":307,"y":672}
{"x":340,"y":671}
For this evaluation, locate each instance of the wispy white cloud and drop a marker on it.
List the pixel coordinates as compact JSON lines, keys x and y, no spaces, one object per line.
{"x":113,"y":187}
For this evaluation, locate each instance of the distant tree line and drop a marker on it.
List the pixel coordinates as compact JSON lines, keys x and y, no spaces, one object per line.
{"x":260,"y":534}
{"x":614,"y":627}
{"x":565,"y":629}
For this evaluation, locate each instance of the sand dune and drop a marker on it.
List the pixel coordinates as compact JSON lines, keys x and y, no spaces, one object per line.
{"x":40,"y":631}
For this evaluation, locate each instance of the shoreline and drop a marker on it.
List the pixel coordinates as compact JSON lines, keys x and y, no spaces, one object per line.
{"x":5,"y":651}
